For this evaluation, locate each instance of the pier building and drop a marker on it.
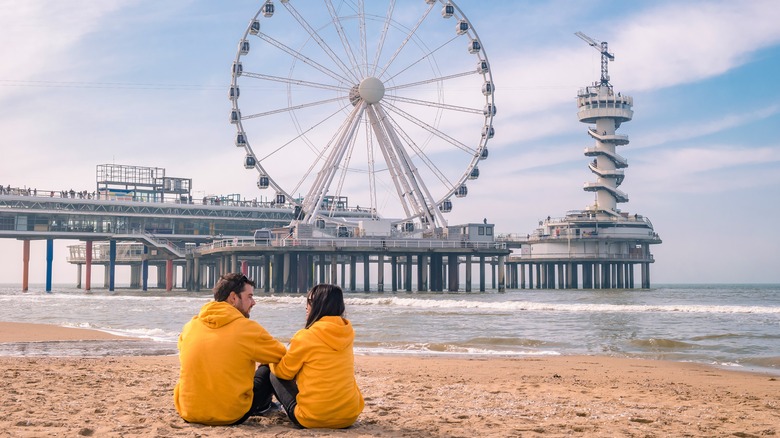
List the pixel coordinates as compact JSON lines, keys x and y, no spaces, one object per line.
{"x":598,"y":247}
{"x":133,"y":222}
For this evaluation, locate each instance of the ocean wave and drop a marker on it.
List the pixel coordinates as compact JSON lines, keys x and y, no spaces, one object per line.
{"x":514,"y":306}
{"x":439,"y":349}
{"x":661,"y":343}
{"x":153,"y":334}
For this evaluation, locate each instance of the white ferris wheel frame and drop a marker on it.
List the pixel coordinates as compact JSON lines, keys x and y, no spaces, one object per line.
{"x":372,"y":109}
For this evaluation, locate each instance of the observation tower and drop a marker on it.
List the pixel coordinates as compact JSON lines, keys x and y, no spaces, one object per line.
{"x":598,"y":247}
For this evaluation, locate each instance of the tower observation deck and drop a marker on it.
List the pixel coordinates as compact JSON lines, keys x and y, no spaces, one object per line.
{"x":597,"y":247}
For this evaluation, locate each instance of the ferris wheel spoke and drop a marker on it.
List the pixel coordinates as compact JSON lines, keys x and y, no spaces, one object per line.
{"x":406,"y":40}
{"x":383,"y":35}
{"x":420,"y":153}
{"x":344,"y":41}
{"x":294,"y":81}
{"x":291,"y":108}
{"x":430,"y":129}
{"x":422,"y":58}
{"x":301,"y":135}
{"x":320,"y":41}
{"x":344,"y":167}
{"x":315,"y":197}
{"x":419,"y":195}
{"x":295,"y":54}
{"x":432,"y":80}
{"x":363,"y":34}
{"x":393,"y":165}
{"x":371,"y":169}
{"x":435,"y":104}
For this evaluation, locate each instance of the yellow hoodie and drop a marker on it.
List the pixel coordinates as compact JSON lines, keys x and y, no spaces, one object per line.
{"x":219,"y":350}
{"x":322,"y":358}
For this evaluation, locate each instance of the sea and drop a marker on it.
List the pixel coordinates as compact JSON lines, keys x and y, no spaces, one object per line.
{"x":736,"y":326}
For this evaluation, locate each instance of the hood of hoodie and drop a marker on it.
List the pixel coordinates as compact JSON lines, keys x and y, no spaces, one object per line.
{"x":336,"y":332}
{"x":216,"y":314}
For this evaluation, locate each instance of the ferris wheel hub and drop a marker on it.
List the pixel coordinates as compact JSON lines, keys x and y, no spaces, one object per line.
{"x":371,"y":90}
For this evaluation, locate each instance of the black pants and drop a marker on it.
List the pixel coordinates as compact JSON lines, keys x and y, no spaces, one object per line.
{"x":286,"y":391}
{"x":262,"y":393}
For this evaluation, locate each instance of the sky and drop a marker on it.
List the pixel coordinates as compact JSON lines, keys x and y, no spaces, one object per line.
{"x":145,"y":83}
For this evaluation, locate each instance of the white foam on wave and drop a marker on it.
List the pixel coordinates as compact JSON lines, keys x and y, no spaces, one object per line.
{"x":408,"y":350}
{"x":513,"y":306}
{"x":154,"y":334}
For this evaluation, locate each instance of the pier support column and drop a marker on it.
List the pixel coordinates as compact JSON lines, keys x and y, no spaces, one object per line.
{"x":187,"y":282}
{"x":290,"y":272}
{"x":408,"y":273}
{"x":435,"y":272}
{"x":196,"y":273}
{"x":278,"y":273}
{"x":468,"y":272}
{"x":135,"y":276}
{"x":538,"y":276}
{"x":111,"y":264}
{"x":168,"y":275}
{"x":352,"y":273}
{"x":380,"y":273}
{"x":482,"y":273}
{"x":78,"y":276}
{"x":49,"y":262}
{"x":267,"y":273}
{"x":422,"y":272}
{"x":366,"y":273}
{"x":501,"y":278}
{"x":88,"y":264}
{"x":25,"y":265}
{"x":334,"y":269}
{"x":393,"y":273}
{"x":521,"y":268}
{"x":303,"y":272}
{"x":145,"y":269}
{"x":452,"y":279}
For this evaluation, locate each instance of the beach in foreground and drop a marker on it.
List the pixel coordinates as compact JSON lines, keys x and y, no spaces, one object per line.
{"x":405,"y":396}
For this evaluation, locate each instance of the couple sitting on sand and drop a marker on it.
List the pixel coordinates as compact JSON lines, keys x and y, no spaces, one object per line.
{"x":219,"y":349}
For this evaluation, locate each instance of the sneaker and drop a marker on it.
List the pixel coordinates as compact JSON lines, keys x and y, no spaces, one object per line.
{"x":270,"y":409}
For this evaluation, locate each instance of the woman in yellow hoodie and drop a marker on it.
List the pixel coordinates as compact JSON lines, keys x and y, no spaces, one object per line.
{"x":315,"y":380}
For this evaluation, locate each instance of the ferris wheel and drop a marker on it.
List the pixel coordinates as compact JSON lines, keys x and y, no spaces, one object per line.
{"x":355,"y":108}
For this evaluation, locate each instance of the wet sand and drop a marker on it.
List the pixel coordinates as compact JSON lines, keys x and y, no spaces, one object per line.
{"x":587,"y":396}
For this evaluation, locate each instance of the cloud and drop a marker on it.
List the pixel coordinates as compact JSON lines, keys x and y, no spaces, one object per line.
{"x":711,"y":169}
{"x":682,"y":42}
{"x":689,"y":131}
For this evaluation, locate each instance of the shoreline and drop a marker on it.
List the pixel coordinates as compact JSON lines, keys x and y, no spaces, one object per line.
{"x":20,"y":333}
{"x":546,"y":396}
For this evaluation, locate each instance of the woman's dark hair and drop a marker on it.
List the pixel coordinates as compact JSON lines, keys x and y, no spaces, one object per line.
{"x":233,"y":282}
{"x":325,"y":300}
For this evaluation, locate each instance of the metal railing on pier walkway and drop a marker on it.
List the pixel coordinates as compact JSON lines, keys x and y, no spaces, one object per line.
{"x":357,"y":243}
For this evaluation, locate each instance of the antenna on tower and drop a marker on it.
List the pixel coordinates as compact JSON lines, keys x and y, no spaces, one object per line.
{"x":605,"y":55}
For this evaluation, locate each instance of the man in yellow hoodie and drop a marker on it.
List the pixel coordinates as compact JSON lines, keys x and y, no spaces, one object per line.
{"x":219,"y":350}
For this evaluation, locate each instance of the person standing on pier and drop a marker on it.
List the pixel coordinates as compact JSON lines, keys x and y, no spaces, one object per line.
{"x":219,"y":350}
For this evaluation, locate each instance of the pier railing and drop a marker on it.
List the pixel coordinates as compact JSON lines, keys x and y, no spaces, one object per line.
{"x":564,"y":256}
{"x":358,"y":243}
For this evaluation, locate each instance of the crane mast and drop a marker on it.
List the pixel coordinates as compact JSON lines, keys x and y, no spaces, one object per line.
{"x":605,"y":55}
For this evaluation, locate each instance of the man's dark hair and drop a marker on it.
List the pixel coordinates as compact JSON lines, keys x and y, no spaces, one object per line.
{"x":232,"y":282}
{"x":325,"y":300}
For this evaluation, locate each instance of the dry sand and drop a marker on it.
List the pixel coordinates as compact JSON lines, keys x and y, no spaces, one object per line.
{"x":584,"y":396}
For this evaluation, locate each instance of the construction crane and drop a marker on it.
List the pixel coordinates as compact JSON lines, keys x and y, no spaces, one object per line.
{"x":605,"y":55}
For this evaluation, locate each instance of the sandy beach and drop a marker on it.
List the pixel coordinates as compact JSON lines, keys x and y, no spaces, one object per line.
{"x":405,"y":396}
